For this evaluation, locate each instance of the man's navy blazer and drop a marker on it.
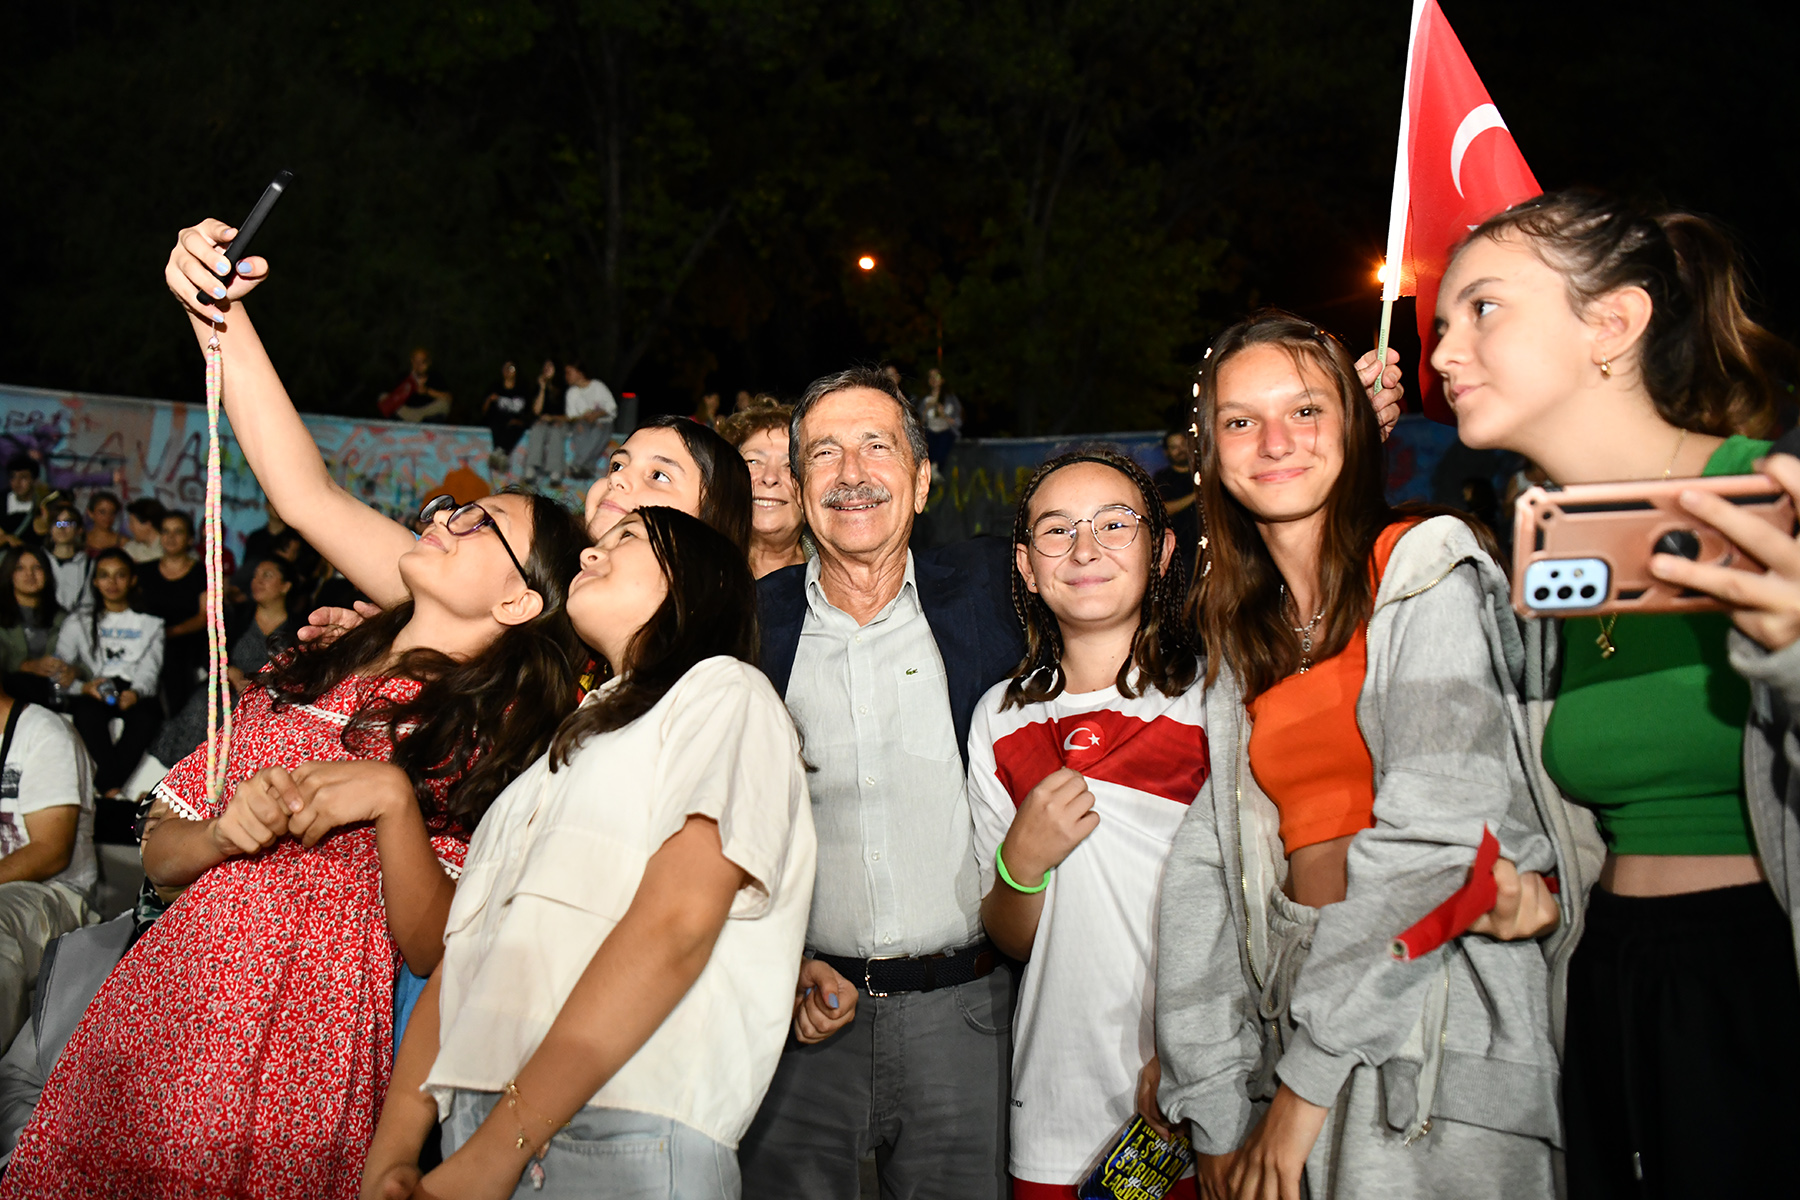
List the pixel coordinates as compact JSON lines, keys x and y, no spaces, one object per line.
{"x":965,"y":590}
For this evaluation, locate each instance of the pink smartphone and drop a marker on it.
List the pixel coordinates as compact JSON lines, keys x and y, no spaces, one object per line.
{"x":1584,"y":550}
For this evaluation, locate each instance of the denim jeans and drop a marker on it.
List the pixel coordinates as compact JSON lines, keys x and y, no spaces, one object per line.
{"x":613,"y":1153}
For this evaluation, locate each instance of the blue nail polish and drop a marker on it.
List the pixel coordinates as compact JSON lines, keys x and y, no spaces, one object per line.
{"x":244,"y":267}
{"x":218,"y":293}
{"x":808,"y":992}
{"x":222,"y":268}
{"x":832,"y":999}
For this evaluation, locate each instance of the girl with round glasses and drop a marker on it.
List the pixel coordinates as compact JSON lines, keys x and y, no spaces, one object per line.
{"x":1081,"y":768}
{"x":243,"y":1045}
{"x":1366,"y":761}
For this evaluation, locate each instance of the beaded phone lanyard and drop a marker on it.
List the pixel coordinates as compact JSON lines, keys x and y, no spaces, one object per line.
{"x":218,"y":690}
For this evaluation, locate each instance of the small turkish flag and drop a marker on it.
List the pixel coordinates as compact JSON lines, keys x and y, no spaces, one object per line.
{"x":1457,"y":166}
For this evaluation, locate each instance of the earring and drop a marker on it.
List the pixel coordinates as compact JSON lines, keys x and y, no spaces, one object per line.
{"x":1606,"y":367}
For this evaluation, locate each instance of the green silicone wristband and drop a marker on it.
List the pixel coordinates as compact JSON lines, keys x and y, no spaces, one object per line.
{"x":1014,"y":884}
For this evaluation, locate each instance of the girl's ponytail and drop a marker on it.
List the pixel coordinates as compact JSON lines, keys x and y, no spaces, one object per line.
{"x":1722,"y":358}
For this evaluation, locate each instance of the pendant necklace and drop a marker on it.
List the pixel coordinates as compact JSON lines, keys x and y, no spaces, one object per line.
{"x":1604,"y":641}
{"x":1305,"y":631}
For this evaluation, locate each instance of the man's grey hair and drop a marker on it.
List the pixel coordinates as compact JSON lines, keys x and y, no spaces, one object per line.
{"x":875,"y":380}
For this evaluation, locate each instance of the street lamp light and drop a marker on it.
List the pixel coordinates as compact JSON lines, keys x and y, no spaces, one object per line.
{"x":866,"y":262}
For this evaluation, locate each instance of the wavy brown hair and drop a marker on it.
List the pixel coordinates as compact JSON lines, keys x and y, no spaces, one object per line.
{"x":1236,"y":598}
{"x":710,"y":611}
{"x":477,"y":722}
{"x":1162,"y":649}
{"x":1707,"y":366}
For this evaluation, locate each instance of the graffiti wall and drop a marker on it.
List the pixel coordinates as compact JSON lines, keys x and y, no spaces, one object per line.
{"x":976,"y":494}
{"x":158,"y":448}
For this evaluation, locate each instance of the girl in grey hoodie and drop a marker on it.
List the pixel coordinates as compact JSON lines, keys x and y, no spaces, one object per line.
{"x":1378,"y":655}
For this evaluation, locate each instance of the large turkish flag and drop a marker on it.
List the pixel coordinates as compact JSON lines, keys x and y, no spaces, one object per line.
{"x":1457,"y":166}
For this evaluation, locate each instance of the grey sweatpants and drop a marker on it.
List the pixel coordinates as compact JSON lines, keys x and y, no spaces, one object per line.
{"x":546,"y":450}
{"x":1361,"y":1156}
{"x":921,"y":1079}
{"x":612,"y":1152}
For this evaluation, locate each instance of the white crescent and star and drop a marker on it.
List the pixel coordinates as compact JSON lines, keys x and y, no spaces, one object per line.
{"x":1481,"y":118}
{"x":1091,"y":744}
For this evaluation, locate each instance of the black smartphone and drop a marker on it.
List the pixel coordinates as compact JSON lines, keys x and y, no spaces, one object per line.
{"x":240,"y":245}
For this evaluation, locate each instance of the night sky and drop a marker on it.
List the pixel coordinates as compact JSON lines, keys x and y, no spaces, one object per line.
{"x":1069,"y":199}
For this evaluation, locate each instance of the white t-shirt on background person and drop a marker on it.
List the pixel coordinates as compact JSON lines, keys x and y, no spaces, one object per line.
{"x":557,"y":860}
{"x":47,"y":766}
{"x":1085,"y":1026}
{"x":130,"y":647}
{"x":590,"y":397}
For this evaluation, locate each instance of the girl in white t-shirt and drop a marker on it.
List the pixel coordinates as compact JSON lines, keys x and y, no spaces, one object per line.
{"x":619,"y":961}
{"x":1081,"y":768}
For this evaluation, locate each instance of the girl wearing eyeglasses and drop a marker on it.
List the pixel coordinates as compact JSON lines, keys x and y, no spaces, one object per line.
{"x":242,"y":1047}
{"x":1081,"y":768}
{"x":1367,"y":766}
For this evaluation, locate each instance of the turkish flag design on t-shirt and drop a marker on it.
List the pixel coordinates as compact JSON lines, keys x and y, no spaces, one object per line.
{"x":1163,"y":757}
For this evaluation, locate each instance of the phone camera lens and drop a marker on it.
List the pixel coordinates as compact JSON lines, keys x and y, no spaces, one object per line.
{"x":1542,"y":593}
{"x":1564,"y":592}
{"x":1587,"y":591}
{"x":1556,"y":574}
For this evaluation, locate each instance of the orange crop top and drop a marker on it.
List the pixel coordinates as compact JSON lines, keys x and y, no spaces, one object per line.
{"x":1306,"y":749}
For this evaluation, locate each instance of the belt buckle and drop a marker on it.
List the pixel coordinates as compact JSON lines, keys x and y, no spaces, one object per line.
{"x":867,"y":963}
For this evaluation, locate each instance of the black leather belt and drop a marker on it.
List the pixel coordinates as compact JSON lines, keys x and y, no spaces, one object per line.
{"x":928,"y":973}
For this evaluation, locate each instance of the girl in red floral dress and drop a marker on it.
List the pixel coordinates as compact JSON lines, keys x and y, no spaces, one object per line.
{"x":243,"y":1047}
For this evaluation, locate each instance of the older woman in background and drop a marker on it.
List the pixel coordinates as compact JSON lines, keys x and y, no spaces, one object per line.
{"x":777,"y":524}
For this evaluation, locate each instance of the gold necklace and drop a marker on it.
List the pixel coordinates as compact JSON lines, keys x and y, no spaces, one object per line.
{"x":1604,"y":641}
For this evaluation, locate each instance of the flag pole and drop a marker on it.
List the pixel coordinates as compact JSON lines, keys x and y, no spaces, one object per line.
{"x":1394,"y":265}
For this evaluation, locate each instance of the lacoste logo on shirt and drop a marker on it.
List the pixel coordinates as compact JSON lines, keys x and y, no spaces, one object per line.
{"x":912,"y":670}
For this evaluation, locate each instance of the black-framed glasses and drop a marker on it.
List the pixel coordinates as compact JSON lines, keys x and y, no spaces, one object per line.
{"x":466,"y":519}
{"x":1115,"y":527}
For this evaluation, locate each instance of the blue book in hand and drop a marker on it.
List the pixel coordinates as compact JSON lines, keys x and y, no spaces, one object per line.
{"x":1139,"y":1165}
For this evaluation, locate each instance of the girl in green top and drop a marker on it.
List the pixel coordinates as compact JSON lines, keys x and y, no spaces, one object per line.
{"x":1606,"y":343}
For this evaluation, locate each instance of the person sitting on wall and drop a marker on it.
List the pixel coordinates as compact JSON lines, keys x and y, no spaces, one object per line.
{"x":413,"y":398}
{"x":507,"y":413}
{"x":590,"y":409}
{"x":18,"y":525}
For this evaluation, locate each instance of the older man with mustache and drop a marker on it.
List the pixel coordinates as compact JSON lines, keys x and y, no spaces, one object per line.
{"x":903,"y":1008}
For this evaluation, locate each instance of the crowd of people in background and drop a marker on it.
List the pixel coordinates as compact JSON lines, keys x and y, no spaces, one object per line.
{"x":567,"y":419}
{"x":715,"y":840}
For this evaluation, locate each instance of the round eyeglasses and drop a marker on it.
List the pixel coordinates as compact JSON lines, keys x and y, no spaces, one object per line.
{"x":1115,"y":527}
{"x":467,"y":519}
